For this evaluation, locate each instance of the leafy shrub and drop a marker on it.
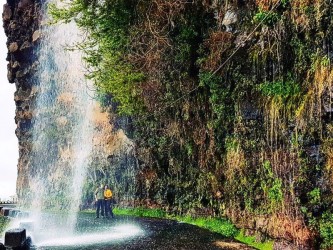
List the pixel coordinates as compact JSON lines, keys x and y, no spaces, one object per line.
{"x":326,"y":230}
{"x":280,"y":88}
{"x":266,"y":17}
{"x":314,"y":196}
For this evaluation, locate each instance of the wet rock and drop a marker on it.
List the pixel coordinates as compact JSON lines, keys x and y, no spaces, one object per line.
{"x":13,"y":47}
{"x":36,"y":36}
{"x":12,"y":25}
{"x":7,"y":13}
{"x":27,"y":115}
{"x":15,"y":238}
{"x":24,"y":125}
{"x":25,"y":45}
{"x":23,"y":72}
{"x":230,"y":18}
{"x":249,"y":111}
{"x":21,"y":95}
{"x":2,"y":247}
{"x":10,"y":76}
{"x":23,"y":3}
{"x":15,"y":65}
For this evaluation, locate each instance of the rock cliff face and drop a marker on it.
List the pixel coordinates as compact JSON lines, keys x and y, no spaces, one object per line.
{"x":21,"y":20}
{"x":251,"y":140}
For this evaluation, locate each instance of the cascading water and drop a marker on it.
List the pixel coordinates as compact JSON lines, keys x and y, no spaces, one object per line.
{"x":62,"y":127}
{"x":70,"y":134}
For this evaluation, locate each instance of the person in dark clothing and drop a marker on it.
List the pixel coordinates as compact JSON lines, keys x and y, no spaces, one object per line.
{"x":107,"y":201}
{"x":99,"y":197}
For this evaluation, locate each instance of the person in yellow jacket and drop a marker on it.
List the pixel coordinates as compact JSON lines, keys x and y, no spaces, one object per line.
{"x":107,"y":201}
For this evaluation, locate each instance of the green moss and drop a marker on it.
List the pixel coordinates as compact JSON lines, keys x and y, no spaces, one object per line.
{"x":251,"y":241}
{"x":326,"y":230}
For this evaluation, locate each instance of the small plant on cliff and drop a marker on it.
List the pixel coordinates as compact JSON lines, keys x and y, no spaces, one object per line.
{"x":326,"y":230}
{"x":272,"y":186}
{"x":283,"y":89}
{"x":314,"y":196}
{"x":266,"y":17}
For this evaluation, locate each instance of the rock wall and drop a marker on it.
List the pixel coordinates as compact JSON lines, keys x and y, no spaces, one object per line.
{"x":21,"y":20}
{"x":251,"y":141}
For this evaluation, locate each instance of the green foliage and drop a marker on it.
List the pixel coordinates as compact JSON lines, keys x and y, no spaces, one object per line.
{"x":185,"y":43}
{"x":140,"y":212}
{"x":275,"y":191}
{"x":314,"y":196}
{"x":266,"y":17}
{"x":282,"y":89}
{"x":271,"y":185}
{"x":220,"y":99}
{"x":108,"y":25}
{"x":318,"y":60}
{"x":231,"y":143}
{"x":326,"y":230}
{"x":285,"y":3}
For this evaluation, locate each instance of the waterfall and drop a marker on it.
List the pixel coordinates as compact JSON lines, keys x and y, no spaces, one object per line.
{"x":62,"y":127}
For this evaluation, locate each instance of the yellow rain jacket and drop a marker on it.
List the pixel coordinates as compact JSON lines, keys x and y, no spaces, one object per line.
{"x":107,"y":194}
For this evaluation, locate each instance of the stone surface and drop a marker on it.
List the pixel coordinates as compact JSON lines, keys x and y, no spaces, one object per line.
{"x":15,"y":237}
{"x":7,"y":13}
{"x":25,"y":45}
{"x":13,"y":47}
{"x":229,"y":19}
{"x":24,"y":3}
{"x":15,"y":65}
{"x":2,"y":247}
{"x":35,"y":36}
